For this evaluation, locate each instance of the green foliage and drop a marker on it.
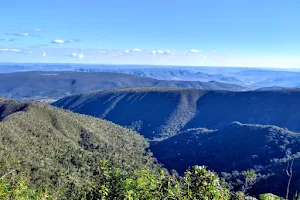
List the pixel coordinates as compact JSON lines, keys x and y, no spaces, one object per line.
{"x":146,"y":184}
{"x":19,"y":190}
{"x":238,"y":196}
{"x":63,"y":149}
{"x":269,"y":196}
{"x":204,"y":184}
{"x":250,"y":177}
{"x":296,"y":196}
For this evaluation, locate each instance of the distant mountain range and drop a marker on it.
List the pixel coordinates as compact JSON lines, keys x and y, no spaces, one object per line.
{"x":252,"y":78}
{"x":170,"y":74}
{"x":231,"y":120}
{"x":57,"y":84}
{"x":163,"y":112}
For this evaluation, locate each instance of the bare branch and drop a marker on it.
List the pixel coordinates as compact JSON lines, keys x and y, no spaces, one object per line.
{"x":289,"y":171}
{"x":7,"y":173}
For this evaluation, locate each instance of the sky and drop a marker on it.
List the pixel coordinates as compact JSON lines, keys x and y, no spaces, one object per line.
{"x":238,"y":33}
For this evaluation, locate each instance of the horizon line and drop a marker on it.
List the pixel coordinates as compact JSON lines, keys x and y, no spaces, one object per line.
{"x":154,"y":65}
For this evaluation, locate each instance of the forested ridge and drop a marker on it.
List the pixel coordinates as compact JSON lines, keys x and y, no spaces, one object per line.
{"x":49,"y":153}
{"x":159,"y":113}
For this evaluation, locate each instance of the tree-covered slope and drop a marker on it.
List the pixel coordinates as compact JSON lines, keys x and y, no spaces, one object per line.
{"x":68,"y":152}
{"x":154,"y":112}
{"x":47,"y":153}
{"x":58,"y":147}
{"x":41,"y":85}
{"x":218,"y":109}
{"x":163,"y":112}
{"x":237,"y":147}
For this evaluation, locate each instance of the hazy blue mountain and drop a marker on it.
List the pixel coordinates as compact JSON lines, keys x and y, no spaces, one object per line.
{"x":251,"y":77}
{"x":273,"y":88}
{"x":172,"y":74}
{"x":57,"y":84}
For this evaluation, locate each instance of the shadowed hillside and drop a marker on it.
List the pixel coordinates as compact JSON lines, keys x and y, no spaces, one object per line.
{"x":154,"y":112}
{"x":160,"y":113}
{"x":43,"y":85}
{"x":59,"y":147}
{"x":266,"y":149}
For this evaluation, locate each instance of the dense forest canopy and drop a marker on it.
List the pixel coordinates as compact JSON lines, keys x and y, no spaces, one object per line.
{"x":51,"y":153}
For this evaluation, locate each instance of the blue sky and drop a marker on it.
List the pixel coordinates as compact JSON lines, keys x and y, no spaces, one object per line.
{"x":163,"y":32}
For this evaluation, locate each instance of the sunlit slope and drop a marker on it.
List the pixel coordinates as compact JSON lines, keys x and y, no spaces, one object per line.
{"x":57,"y":146}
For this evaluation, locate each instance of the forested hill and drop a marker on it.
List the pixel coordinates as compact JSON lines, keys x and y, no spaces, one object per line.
{"x":42,"y":85}
{"x":163,"y":112}
{"x":81,"y":157}
{"x":48,"y":153}
{"x":237,"y":147}
{"x":61,"y":148}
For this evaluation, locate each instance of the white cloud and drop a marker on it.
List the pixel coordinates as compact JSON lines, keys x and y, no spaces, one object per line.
{"x":213,"y":51}
{"x":58,"y":41}
{"x":195,"y":51}
{"x":165,"y":52}
{"x":77,"y":55}
{"x":44,"y":54}
{"x":127,"y":51}
{"x":136,"y":50}
{"x":73,"y":40}
{"x":18,"y":34}
{"x":9,"y":40}
{"x":10,"y":50}
{"x":37,"y":30}
{"x":22,"y":34}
